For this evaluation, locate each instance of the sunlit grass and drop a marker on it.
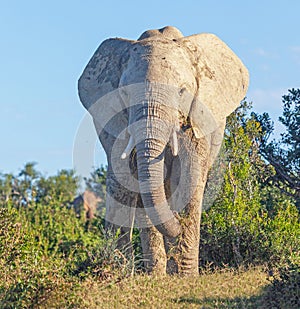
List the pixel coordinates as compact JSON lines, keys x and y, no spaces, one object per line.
{"x":220,"y":289}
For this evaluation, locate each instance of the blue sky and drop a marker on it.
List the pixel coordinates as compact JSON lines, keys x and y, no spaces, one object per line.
{"x":45,"y":45}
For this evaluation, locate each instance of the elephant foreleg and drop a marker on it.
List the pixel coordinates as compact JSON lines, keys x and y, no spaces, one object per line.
{"x":188,"y":243}
{"x":183,"y":252}
{"x":154,"y":254}
{"x":188,"y":178}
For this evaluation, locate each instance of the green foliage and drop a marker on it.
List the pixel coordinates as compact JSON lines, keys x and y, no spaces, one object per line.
{"x":44,"y":247}
{"x":31,"y":187}
{"x":59,"y":188}
{"x":250,"y":222}
{"x":284,"y":154}
{"x":6,"y":181}
{"x":24,"y":271}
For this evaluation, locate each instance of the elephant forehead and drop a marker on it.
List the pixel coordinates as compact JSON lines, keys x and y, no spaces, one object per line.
{"x":165,"y":61}
{"x":162,"y":61}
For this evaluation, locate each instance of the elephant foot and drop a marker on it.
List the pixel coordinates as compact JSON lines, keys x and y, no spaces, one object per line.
{"x":182,"y":267}
{"x":155,"y":268}
{"x":182,"y":257}
{"x":188,"y":268}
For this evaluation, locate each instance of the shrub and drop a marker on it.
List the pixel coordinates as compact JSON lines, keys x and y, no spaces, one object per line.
{"x":250,"y":222}
{"x":46,"y":249}
{"x":109,"y":262}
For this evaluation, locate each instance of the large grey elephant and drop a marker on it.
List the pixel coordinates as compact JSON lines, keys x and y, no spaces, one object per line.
{"x":159,"y":106}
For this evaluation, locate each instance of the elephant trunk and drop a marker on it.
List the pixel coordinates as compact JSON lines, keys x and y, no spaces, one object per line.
{"x":152,"y":134}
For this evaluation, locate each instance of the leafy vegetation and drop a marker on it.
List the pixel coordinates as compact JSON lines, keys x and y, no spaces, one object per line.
{"x":284,"y":154}
{"x":250,"y":236}
{"x":43,"y":248}
{"x":252,"y":221}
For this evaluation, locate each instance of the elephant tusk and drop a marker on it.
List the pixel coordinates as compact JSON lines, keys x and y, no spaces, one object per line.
{"x":174,"y":143}
{"x":128,"y":148}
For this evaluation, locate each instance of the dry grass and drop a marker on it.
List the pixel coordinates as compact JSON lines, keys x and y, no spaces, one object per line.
{"x":223,"y":289}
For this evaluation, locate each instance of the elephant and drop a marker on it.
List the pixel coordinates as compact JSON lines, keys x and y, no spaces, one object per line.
{"x":86,"y":202}
{"x":159,"y":106}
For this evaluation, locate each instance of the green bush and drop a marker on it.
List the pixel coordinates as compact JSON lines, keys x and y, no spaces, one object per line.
{"x":109,"y":262}
{"x":251,"y":221}
{"x":46,"y":248}
{"x":25,"y":271}
{"x":243,"y":236}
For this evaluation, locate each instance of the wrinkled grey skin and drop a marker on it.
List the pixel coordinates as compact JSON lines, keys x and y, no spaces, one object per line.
{"x":163,"y":105}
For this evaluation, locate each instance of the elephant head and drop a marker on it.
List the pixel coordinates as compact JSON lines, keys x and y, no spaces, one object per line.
{"x":143,"y":90}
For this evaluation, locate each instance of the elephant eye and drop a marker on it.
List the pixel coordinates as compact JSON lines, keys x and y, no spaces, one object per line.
{"x":182,"y":91}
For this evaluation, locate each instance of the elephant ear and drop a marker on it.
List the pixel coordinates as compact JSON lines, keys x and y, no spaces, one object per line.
{"x":99,"y":82}
{"x":222,"y":80}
